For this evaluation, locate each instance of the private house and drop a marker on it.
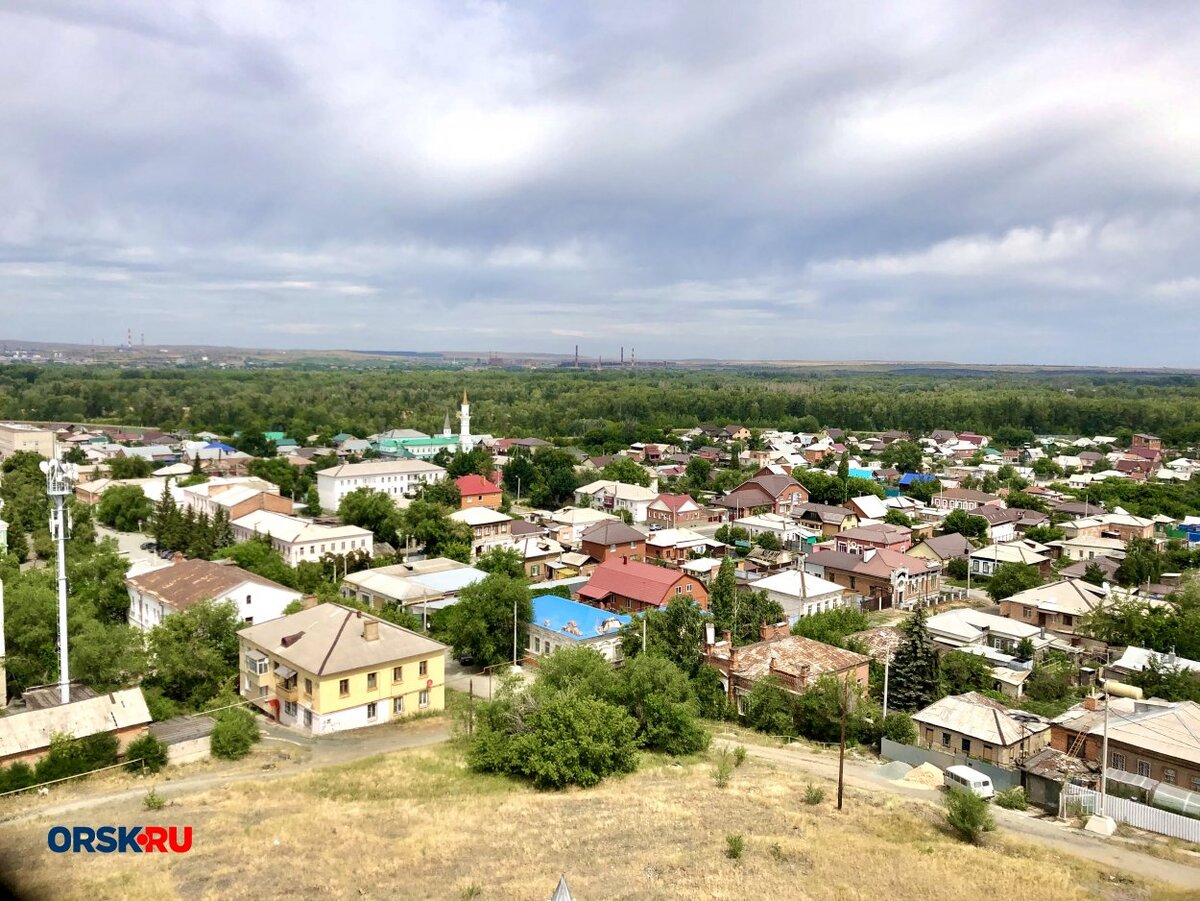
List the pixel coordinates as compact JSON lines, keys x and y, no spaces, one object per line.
{"x":965,"y":499}
{"x":561,"y":623}
{"x":884,"y":579}
{"x":395,"y":478}
{"x":331,"y":668}
{"x":975,"y":725}
{"x":764,"y":494}
{"x":612,"y":538}
{"x":429,"y":583}
{"x":537,"y":553}
{"x":156,"y":594}
{"x":995,"y":638}
{"x":797,"y":663}
{"x":1002,"y":522}
{"x":1058,"y":608}
{"x":782,"y":527}
{"x":1089,"y":548}
{"x":1118,"y":524}
{"x":626,"y":585}
{"x":735,"y":433}
{"x":1151,"y":739}
{"x":867,"y":507}
{"x":802,"y":594}
{"x":943,"y":548}
{"x":1135,"y":660}
{"x":676,"y":546}
{"x":25,"y":735}
{"x":986,"y":560}
{"x":568,"y":524}
{"x":825,"y":518}
{"x":476,"y":491}
{"x":880,"y":536}
{"x":613,"y":497}
{"x":1151,"y":442}
{"x":489,"y":528}
{"x":1108,"y":567}
{"x":671,"y":511}
{"x":301,"y":539}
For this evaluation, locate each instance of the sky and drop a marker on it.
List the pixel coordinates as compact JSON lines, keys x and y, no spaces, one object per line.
{"x":975,"y":182}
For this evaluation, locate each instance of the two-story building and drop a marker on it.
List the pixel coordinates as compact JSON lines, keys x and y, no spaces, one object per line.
{"x":331,"y":668}
{"x":298,"y":540}
{"x":613,"y":497}
{"x":611,"y":539}
{"x":476,"y":491}
{"x":395,"y":478}
{"x":764,"y":494}
{"x":884,"y":579}
{"x":880,"y":536}
{"x":676,"y":546}
{"x":562,"y":623}
{"x":671,"y":511}
{"x":828,"y":519}
{"x":489,"y":528}
{"x":966,"y":499}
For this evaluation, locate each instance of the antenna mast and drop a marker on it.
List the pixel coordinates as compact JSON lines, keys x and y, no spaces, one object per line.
{"x":59,"y":477}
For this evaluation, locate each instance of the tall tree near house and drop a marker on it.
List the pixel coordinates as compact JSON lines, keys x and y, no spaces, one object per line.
{"x":965,"y":524}
{"x":1143,"y":563}
{"x":222,"y":530}
{"x":723,"y":594}
{"x":915,"y":672}
{"x":622,"y":469}
{"x":168,"y":522}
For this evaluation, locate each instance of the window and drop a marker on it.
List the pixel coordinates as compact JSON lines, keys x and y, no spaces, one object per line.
{"x":852,"y":585}
{"x":262,"y":691}
{"x":612,"y":547}
{"x":372,"y":710}
{"x":1169,"y":776}
{"x":343,"y":687}
{"x":247,"y":599}
{"x":535,"y":569}
{"x":946,"y":739}
{"x":256,"y":665}
{"x":1118,"y":761}
{"x":537,"y":645}
{"x":966,"y":746}
{"x":1027,"y":612}
{"x":633,"y":545}
{"x":398,"y":706}
{"x":397,"y":674}
{"x":308,"y":687}
{"x":423,"y":668}
{"x":679,"y":589}
{"x":423,"y":698}
{"x":1196,"y":784}
{"x":289,"y":708}
{"x":1144,"y":768}
{"x":372,"y":681}
{"x":308,"y":718}
{"x":688,"y":586}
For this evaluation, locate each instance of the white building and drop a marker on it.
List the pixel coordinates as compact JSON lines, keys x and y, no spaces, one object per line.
{"x":489,"y":528}
{"x":301,"y":539}
{"x":561,"y":623}
{"x":570,"y":523}
{"x":396,"y":478}
{"x":156,"y":594}
{"x":803,"y":594}
{"x":616,"y":496}
{"x":784,"y":528}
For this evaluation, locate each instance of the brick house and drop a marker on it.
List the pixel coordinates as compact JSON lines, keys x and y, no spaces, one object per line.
{"x":885,"y":579}
{"x":676,"y":546}
{"x":1117,"y":524}
{"x":612,"y":539}
{"x":625,"y":585}
{"x":26,"y":736}
{"x":797,"y":663}
{"x":1153,"y":442}
{"x":881,"y":536}
{"x":674,"y":510}
{"x":977,"y":726}
{"x":828,"y":519}
{"x":765,"y":494}
{"x":1154,"y":739}
{"x":1057,"y":607}
{"x":965,"y":499}
{"x":476,"y":491}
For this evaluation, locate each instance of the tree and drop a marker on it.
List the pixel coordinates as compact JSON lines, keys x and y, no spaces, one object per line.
{"x":478,"y":461}
{"x":194,"y":652}
{"x":1025,"y":650}
{"x":146,"y":753}
{"x":728,"y":534}
{"x":965,"y":524}
{"x":519,"y":474}
{"x":1044,"y":534}
{"x":1142,"y":563}
{"x":430,"y":524}
{"x":167,"y":527}
{"x":894,"y":517}
{"x":963,"y":672}
{"x":260,"y":558}
{"x":957,"y":567}
{"x":123,"y":467}
{"x":906,"y":456}
{"x":745,"y":617}
{"x":106,"y":656}
{"x":505,"y":560}
{"x":443,"y":492}
{"x":1012,"y":578}
{"x":254,"y":443}
{"x":481,"y":623}
{"x":277,"y":471}
{"x":373,"y":510}
{"x":675,"y":632}
{"x":622,"y":469}
{"x":723,"y":593}
{"x":75,"y":455}
{"x":234,"y":734}
{"x":656,"y":693}
{"x":124,"y":508}
{"x":697,"y":473}
{"x":768,"y":707}
{"x":312,"y":502}
{"x":1019,"y":500}
{"x":768,"y":541}
{"x":968,"y":815}
{"x":1165,"y":679}
{"x":915,"y":676}
{"x":832,"y":626}
{"x":900,"y":728}
{"x":1094,"y":574}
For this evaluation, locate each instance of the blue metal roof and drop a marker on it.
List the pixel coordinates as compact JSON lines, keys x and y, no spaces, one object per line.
{"x":909,"y":477}
{"x":856,"y":473}
{"x":555,"y":613}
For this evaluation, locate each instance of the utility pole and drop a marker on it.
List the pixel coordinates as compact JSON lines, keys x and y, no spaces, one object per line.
{"x":887,"y":664}
{"x":845,"y":704}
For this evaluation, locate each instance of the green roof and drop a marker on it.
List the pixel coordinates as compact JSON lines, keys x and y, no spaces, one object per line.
{"x":273,"y":436}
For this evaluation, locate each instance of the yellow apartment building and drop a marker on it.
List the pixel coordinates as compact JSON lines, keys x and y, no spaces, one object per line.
{"x":331,"y":668}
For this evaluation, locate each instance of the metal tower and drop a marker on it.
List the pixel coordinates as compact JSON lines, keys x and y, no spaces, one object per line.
{"x":59,"y":477}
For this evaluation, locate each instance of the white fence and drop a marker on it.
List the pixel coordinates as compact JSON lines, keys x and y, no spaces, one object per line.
{"x":1140,"y":816}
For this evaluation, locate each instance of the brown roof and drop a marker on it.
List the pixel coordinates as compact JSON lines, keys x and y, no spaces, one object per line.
{"x":880,"y":642}
{"x":969,"y":494}
{"x":879,"y":562}
{"x":186,"y":582}
{"x":824,"y":512}
{"x":882,"y":531}
{"x":631,"y":579}
{"x":612,"y":531}
{"x":747,"y":497}
{"x":796,"y":655}
{"x":951,"y":545}
{"x":997,"y":515}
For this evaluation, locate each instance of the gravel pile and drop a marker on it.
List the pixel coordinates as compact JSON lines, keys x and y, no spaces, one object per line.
{"x":897,"y":769}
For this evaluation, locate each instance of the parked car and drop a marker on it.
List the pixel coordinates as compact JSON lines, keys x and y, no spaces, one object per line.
{"x":149,"y":546}
{"x":466,"y":660}
{"x":963,"y":778}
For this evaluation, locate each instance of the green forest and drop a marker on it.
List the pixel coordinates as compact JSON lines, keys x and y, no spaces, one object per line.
{"x":615,"y":405}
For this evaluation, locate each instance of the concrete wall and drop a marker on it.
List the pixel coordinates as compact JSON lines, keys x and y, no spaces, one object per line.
{"x":189,"y":751}
{"x":1001,"y":777}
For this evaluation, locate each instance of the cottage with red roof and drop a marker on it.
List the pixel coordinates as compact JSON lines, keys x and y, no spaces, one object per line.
{"x":476,"y":491}
{"x":627,"y":585}
{"x":674,"y":510}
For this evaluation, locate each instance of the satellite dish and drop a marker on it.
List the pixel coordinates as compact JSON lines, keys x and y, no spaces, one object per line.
{"x":44,"y":467}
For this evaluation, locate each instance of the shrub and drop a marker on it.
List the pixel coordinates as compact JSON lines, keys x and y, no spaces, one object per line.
{"x":1012,"y":799}
{"x":735,"y":844}
{"x":233,"y":734}
{"x":739,"y":755}
{"x":769,"y":707}
{"x":74,"y":756}
{"x":160,"y":707}
{"x":968,"y":815}
{"x":900,"y":728}
{"x":154,"y":801}
{"x":813,"y":794}
{"x":19,"y":775}
{"x":723,"y":770}
{"x":153,"y":754}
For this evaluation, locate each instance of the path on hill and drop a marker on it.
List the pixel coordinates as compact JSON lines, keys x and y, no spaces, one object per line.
{"x":1042,"y":830}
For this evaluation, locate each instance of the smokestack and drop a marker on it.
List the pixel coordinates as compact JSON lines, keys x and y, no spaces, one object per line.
{"x":622,"y":354}
{"x":576,"y":356}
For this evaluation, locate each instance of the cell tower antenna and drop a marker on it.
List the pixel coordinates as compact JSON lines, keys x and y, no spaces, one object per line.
{"x":59,"y":477}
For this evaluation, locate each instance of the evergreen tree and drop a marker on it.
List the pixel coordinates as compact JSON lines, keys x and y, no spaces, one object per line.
{"x":201,"y":543}
{"x":166,"y":518}
{"x":187,"y":532}
{"x":723,"y":594}
{"x":222,"y":531}
{"x":915,"y":672}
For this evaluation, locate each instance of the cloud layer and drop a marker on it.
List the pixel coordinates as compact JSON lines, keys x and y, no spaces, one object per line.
{"x":957,"y":181}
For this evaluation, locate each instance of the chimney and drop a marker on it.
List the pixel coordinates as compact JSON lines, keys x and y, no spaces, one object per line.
{"x":370,"y":630}
{"x":1091,"y":702}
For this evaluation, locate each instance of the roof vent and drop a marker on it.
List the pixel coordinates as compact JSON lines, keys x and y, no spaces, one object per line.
{"x":288,"y":640}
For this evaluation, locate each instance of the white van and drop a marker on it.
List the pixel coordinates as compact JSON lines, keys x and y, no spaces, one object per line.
{"x":963,"y":778}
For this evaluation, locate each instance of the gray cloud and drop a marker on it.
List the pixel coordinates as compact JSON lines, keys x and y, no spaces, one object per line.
{"x":950,"y":180}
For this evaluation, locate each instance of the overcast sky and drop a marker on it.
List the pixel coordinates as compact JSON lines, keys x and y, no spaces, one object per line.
{"x":980,"y":182}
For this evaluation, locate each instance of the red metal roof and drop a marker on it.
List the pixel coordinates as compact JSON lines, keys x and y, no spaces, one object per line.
{"x":674,"y":501}
{"x":631,"y":579}
{"x":473,"y":484}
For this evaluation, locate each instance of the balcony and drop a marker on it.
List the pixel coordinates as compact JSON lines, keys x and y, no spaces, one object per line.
{"x":287,"y":690}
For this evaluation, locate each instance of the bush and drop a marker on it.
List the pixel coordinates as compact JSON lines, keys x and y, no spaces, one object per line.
{"x":739,"y":755}
{"x":153,"y":754}
{"x":956,"y":567}
{"x":735,"y":844}
{"x":19,"y":775}
{"x":968,"y":815}
{"x":769,"y":708}
{"x":723,"y":770}
{"x":154,"y":801}
{"x":900,"y":728}
{"x":711,"y":701}
{"x":74,"y":756}
{"x":1012,"y":799}
{"x":234,"y":733}
{"x":160,"y":707}
{"x":813,"y":794}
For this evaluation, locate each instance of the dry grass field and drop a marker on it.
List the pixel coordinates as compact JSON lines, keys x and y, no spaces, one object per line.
{"x":417,"y":824}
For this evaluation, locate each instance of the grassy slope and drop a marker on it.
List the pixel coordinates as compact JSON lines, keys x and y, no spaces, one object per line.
{"x":417,"y":825}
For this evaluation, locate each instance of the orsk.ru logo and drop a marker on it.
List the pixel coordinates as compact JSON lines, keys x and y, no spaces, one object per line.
{"x":120,"y":839}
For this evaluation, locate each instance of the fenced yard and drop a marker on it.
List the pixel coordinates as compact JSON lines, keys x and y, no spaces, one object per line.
{"x":1132,"y":813}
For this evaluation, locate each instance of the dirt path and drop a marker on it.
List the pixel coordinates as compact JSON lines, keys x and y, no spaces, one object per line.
{"x":1045,"y":831}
